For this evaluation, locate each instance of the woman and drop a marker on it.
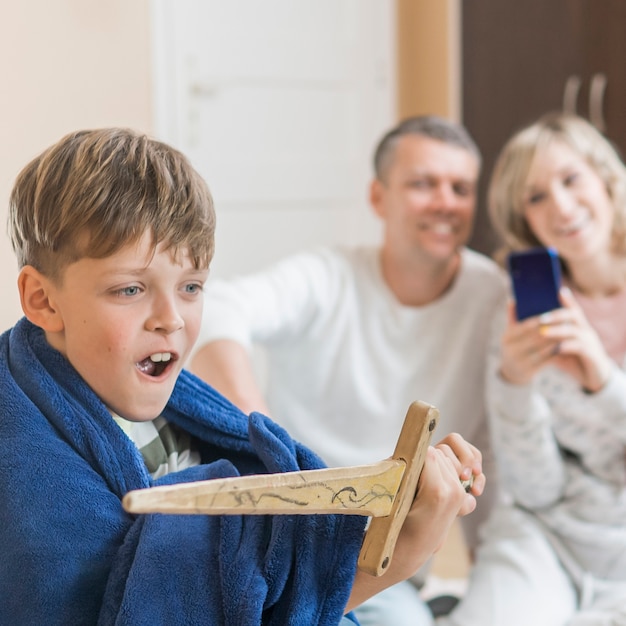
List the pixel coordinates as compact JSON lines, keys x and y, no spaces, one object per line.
{"x":555,"y":550}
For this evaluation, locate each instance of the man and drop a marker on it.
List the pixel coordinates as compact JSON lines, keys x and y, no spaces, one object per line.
{"x":353,"y":336}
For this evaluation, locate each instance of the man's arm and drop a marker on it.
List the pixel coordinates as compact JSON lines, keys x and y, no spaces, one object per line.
{"x":226,"y":365}
{"x":276,"y":304}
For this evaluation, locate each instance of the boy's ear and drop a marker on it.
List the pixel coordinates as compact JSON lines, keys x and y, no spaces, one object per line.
{"x":37,"y":299}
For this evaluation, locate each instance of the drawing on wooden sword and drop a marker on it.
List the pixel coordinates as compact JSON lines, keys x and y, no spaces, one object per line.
{"x":384,"y":491}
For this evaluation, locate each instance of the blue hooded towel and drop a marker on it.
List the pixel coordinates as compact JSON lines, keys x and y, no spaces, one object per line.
{"x":71,"y":555}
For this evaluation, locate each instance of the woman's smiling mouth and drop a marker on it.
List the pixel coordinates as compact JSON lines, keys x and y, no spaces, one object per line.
{"x":573,"y":227}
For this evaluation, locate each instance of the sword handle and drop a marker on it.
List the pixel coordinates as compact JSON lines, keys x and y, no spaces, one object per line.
{"x":381,"y":536}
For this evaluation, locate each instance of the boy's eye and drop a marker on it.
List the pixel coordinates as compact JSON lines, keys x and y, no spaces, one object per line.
{"x":132,"y":290}
{"x":193,"y":288}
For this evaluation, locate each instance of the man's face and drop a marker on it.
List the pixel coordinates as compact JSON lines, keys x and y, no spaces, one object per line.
{"x":427,"y":199}
{"x":128,"y":324}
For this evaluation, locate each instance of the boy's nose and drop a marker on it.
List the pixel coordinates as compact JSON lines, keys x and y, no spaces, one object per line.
{"x":165,"y":318}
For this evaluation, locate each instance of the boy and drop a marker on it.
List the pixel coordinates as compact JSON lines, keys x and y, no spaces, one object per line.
{"x":114,"y":235}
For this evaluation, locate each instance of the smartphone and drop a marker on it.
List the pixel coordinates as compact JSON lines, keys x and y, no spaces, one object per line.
{"x":536,"y":279}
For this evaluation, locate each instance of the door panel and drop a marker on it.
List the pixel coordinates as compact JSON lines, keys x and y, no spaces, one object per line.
{"x":517,"y":59}
{"x":278,"y":104}
{"x":605,"y":52}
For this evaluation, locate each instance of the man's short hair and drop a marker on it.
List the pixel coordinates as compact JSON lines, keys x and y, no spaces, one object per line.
{"x":430,"y":126}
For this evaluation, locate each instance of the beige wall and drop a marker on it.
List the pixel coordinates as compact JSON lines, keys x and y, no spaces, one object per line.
{"x":65,"y":65}
{"x":70,"y":64}
{"x":429,"y":62}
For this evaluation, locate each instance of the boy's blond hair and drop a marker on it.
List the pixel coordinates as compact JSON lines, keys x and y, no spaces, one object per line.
{"x":96,"y":191}
{"x":508,"y":180}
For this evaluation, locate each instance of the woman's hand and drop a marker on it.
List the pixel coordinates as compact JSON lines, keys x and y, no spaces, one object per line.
{"x":563,"y":338}
{"x":579,"y":351}
{"x":524,"y":348}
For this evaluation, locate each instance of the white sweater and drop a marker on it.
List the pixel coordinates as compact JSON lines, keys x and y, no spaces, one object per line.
{"x":562,"y":454}
{"x":345,"y":359}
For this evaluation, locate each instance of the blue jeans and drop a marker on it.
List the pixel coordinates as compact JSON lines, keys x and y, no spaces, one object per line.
{"x":400,"y":605}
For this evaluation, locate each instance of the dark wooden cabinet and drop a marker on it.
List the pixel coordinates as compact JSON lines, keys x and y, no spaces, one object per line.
{"x":522,"y":59}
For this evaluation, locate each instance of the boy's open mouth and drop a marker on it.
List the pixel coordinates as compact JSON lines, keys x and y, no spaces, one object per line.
{"x":156,"y":363}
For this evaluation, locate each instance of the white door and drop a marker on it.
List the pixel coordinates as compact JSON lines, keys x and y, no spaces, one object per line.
{"x":278,"y":104}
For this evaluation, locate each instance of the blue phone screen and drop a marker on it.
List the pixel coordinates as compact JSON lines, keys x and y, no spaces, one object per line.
{"x":536,"y":278}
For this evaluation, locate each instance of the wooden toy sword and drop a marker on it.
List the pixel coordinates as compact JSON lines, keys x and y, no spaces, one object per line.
{"x":384,"y":491}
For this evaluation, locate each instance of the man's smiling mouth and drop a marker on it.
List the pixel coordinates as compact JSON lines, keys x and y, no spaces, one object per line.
{"x":440,"y":228}
{"x":156,"y":363}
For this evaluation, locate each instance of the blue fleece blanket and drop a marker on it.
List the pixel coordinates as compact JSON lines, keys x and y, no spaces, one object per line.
{"x":70,"y":555}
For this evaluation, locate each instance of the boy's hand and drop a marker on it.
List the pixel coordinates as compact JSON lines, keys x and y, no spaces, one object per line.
{"x":468,"y":461}
{"x":440,"y":498}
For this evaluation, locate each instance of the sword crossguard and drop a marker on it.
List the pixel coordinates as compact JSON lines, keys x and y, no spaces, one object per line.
{"x":381,"y":536}
{"x":384,"y":491}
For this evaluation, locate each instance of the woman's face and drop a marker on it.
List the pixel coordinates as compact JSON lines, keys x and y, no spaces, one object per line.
{"x":567,"y":204}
